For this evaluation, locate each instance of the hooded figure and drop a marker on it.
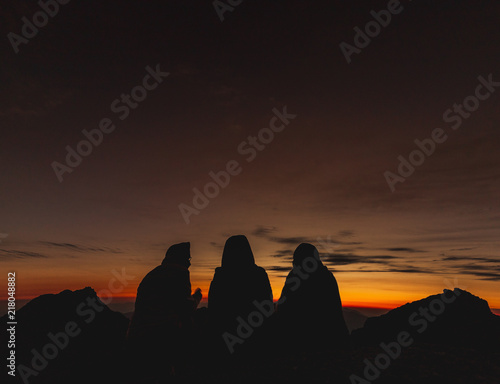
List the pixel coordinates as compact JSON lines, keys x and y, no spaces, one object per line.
{"x":238,"y":288}
{"x":164,"y":309}
{"x":310,"y":310}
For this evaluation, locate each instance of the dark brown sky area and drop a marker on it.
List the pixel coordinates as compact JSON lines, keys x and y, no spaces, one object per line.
{"x":321,"y":179}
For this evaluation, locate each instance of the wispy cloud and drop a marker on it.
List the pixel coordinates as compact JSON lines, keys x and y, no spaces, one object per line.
{"x":279,"y":268}
{"x":410,"y":269}
{"x":80,"y":248}
{"x":485,"y":268}
{"x":216,"y":245}
{"x":9,"y":254}
{"x":284,"y":253}
{"x":268,"y":233}
{"x":314,"y":241}
{"x":485,"y":272}
{"x":263,"y":231}
{"x":472,"y":258}
{"x":291,"y":240}
{"x":394,"y":269}
{"x":409,"y":250}
{"x":362,"y":263}
{"x":3,"y":236}
{"x":491,"y":276}
{"x":349,"y":258}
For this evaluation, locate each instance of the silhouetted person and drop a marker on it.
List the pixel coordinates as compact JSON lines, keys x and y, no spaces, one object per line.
{"x":238,"y":289}
{"x":160,"y":330}
{"x":309,"y":312}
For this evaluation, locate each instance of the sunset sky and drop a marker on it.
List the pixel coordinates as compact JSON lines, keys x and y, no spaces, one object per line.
{"x":320,"y":180}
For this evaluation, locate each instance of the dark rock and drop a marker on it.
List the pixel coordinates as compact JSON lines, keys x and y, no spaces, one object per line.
{"x":467,"y":321}
{"x":77,"y":335}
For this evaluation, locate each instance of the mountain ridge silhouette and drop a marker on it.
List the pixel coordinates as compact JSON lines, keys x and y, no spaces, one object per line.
{"x":467,"y":321}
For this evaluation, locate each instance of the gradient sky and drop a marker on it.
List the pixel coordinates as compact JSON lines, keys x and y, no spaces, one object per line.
{"x":321,"y":180}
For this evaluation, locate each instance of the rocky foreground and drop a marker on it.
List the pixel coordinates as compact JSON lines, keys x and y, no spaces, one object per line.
{"x":453,"y":337}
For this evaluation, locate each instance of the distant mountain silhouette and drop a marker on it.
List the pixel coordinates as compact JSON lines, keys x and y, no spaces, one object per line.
{"x":466,"y":322}
{"x":94,"y":347}
{"x":353,"y":319}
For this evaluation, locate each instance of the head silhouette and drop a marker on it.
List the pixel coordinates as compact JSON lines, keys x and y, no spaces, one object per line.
{"x":303,"y":252}
{"x":237,"y":253}
{"x":178,"y":254}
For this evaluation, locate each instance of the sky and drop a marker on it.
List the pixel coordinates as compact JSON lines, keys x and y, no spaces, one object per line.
{"x":320,"y":177}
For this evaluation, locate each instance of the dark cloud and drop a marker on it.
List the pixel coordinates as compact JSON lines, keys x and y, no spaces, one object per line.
{"x":279,"y":268}
{"x":291,"y":240}
{"x":334,"y":270}
{"x":329,"y":243}
{"x":285,"y":253}
{"x":476,"y":267}
{"x":80,"y":248}
{"x":216,"y":245}
{"x":410,"y":270}
{"x":263,"y":231}
{"x":409,"y":250}
{"x":349,"y":258}
{"x":491,"y":276}
{"x":403,"y":269}
{"x":471,"y":258}
{"x":385,"y":263}
{"x":484,"y":272}
{"x":8,"y":254}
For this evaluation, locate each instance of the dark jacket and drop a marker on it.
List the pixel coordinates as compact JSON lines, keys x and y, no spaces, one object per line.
{"x":310,"y":307}
{"x":236,"y":287}
{"x":164,"y":300}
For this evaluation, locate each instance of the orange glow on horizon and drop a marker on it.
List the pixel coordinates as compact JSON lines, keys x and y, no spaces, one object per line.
{"x":378,"y":297}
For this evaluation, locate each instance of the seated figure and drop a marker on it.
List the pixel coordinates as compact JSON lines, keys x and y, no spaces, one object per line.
{"x":238,"y":288}
{"x":160,"y":330}
{"x":309,"y":311}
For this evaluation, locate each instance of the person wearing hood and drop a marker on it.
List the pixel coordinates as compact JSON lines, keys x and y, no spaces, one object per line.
{"x":238,"y":284}
{"x":309,"y":310}
{"x":164,"y":308}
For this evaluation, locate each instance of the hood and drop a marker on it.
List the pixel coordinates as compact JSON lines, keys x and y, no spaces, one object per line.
{"x":178,"y":254}
{"x":237,"y":253}
{"x":304,"y":251}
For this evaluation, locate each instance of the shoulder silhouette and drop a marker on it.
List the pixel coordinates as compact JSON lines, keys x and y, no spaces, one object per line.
{"x":237,"y":285}
{"x":310,"y":308}
{"x":164,"y":309}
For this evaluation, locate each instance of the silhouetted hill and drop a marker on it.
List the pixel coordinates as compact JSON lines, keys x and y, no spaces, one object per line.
{"x":466,"y":320}
{"x":71,"y":337}
{"x":353,"y":319}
